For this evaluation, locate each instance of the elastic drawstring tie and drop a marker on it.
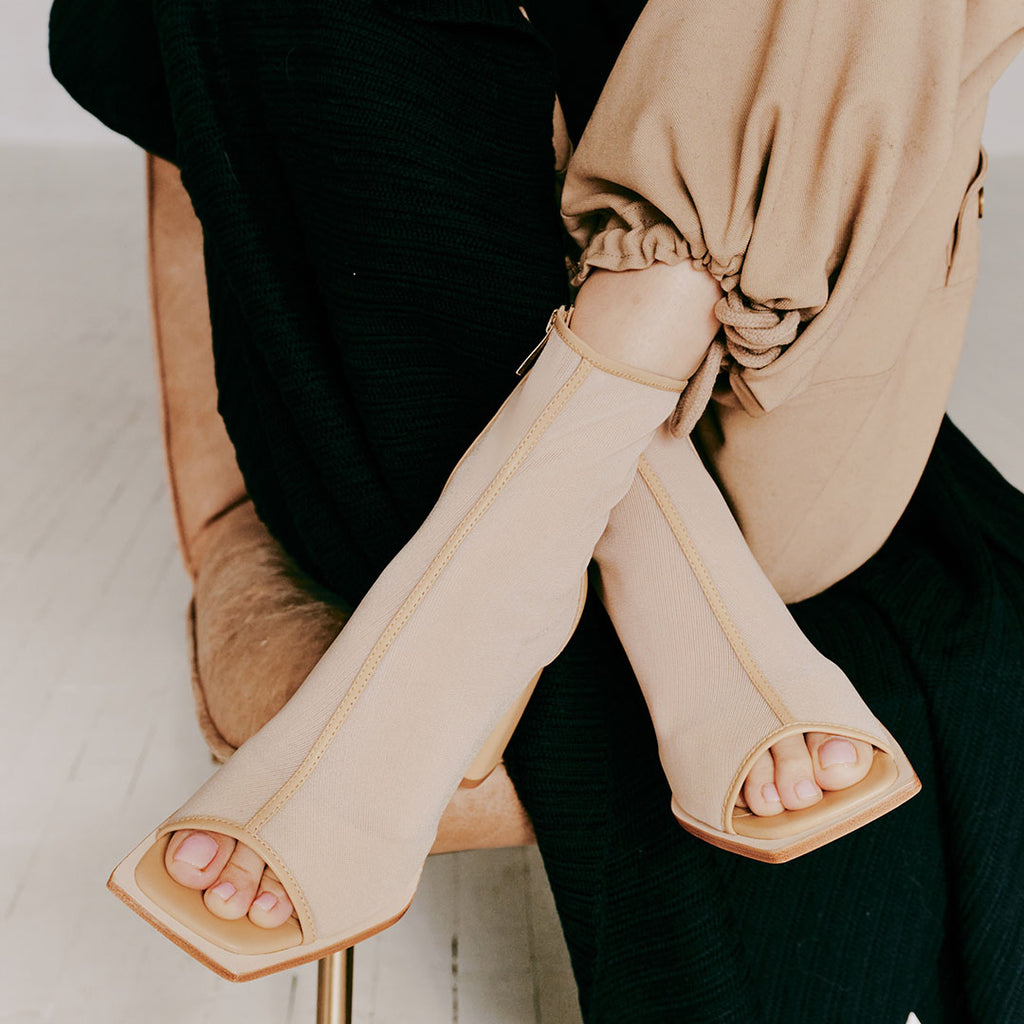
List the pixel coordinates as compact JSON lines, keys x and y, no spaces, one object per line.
{"x":697,"y":393}
{"x":754,"y":337}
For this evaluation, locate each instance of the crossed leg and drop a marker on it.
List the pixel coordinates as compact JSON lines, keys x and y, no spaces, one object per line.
{"x":660,"y":319}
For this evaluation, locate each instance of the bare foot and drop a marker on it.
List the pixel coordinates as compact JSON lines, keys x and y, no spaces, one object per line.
{"x":235,"y":880}
{"x":794,"y":773}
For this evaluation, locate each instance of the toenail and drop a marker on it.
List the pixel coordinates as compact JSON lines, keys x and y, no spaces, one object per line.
{"x":224,"y":891}
{"x":837,"y":752}
{"x":266,"y":901}
{"x":197,"y":851}
{"x":806,"y":790}
{"x":769,"y":793}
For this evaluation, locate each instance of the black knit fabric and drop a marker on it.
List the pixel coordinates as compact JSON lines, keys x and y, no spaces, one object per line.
{"x":920,"y":910}
{"x":374,"y":182}
{"x":365,"y":177}
{"x":106,"y":54}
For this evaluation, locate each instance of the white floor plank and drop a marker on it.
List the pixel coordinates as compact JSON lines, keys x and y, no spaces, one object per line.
{"x":492,"y":913}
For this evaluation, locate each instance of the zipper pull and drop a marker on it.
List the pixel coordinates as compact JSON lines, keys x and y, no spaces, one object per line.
{"x":532,"y":357}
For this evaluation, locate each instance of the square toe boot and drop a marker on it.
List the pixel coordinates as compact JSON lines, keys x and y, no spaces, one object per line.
{"x":725,"y":670}
{"x":342,"y":791}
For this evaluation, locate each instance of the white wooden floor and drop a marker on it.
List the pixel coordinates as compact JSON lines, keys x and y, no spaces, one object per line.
{"x":97,"y":741}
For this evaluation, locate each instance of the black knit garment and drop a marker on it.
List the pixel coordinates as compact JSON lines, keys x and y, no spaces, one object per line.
{"x":383,"y":248}
{"x":921,"y":910}
{"x":369,"y":183}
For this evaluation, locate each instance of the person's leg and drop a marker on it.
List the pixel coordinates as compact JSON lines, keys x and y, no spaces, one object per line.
{"x":200,"y":862}
{"x":837,"y":207}
{"x":249,"y":327}
{"x":349,"y":222}
{"x":801,"y":952}
{"x":665,"y":330}
{"x":360,"y":764}
{"x":852,"y":444}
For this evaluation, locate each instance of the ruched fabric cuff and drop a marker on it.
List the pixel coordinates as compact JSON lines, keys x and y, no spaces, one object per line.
{"x":753,"y":334}
{"x":786,"y":146}
{"x":638,"y":237}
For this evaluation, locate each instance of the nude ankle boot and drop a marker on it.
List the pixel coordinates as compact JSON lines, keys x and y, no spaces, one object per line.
{"x":724,"y":668}
{"x":342,"y":791}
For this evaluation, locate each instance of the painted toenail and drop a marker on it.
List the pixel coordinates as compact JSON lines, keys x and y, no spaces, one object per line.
{"x":197,"y":851}
{"x":807,"y":790}
{"x":266,"y":901}
{"x":224,"y":891}
{"x":837,"y":752}
{"x":769,"y":793}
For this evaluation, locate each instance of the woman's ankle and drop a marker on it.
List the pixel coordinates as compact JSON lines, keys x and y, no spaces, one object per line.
{"x":660,"y":319}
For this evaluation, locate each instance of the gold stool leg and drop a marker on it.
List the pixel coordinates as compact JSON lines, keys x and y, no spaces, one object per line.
{"x":334,"y":988}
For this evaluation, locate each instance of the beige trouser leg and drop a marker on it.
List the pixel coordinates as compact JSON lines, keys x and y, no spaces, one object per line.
{"x":822,"y":161}
{"x":818,"y":483}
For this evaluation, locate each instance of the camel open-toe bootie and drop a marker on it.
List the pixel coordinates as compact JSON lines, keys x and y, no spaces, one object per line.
{"x":342,"y":791}
{"x":724,"y":668}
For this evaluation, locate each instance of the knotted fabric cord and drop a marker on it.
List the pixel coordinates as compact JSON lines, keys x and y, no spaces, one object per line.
{"x":754,"y":336}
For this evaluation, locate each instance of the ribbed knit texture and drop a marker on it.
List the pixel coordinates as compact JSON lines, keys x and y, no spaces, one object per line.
{"x":375,"y":187}
{"x":106,"y":54}
{"x":920,"y":910}
{"x":366,"y":179}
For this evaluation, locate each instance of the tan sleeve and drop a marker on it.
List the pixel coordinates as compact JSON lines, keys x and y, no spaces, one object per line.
{"x":786,"y":145}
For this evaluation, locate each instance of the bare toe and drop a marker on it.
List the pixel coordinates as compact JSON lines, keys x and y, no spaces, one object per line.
{"x":195,"y":858}
{"x":794,"y":773}
{"x":235,"y":888}
{"x":271,"y":906}
{"x":838,"y":762}
{"x":759,"y":790}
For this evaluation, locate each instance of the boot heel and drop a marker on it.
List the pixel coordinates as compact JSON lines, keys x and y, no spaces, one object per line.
{"x":491,"y":753}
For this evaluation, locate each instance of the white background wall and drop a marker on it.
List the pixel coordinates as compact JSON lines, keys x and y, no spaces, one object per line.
{"x":1004,"y":129}
{"x":33,"y":108}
